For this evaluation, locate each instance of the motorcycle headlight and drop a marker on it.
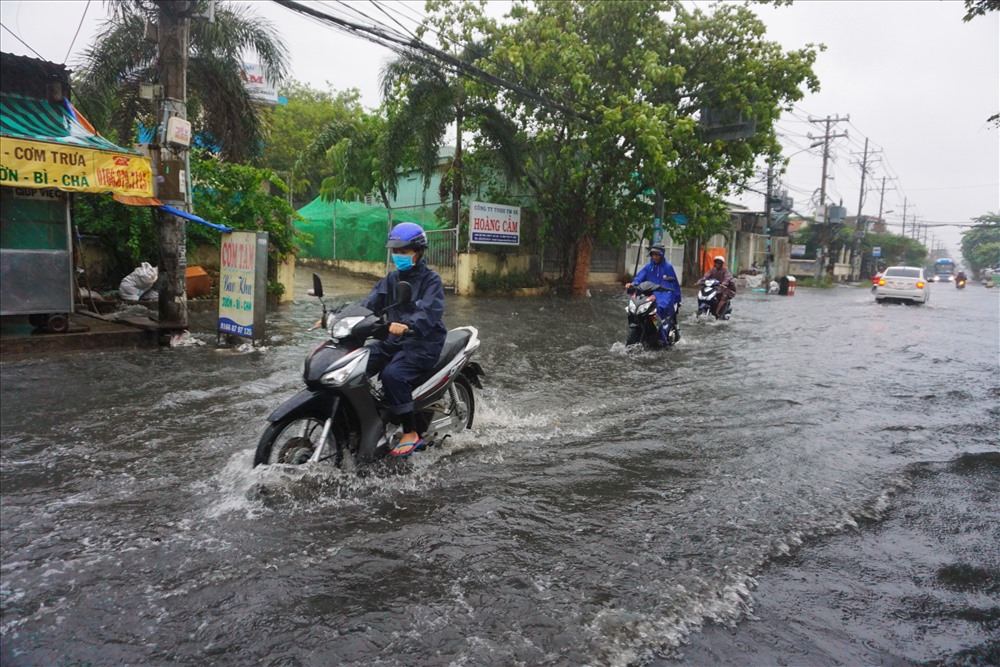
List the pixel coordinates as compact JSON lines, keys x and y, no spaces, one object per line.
{"x":342,"y":327}
{"x":631,"y":307}
{"x":340,"y":374}
{"x":645,"y":308}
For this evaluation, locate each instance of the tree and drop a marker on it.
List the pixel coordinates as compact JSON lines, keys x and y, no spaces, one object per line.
{"x":974,"y":8}
{"x":981,"y":244}
{"x":895,"y":249}
{"x":615,"y":96}
{"x":222,"y":113}
{"x":296,"y":124}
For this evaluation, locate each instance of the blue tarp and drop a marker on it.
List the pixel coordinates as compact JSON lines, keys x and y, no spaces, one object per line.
{"x":193,"y":218}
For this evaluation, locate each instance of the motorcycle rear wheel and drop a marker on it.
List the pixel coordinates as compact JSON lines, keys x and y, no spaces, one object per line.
{"x":292,"y":441}
{"x":463,"y":414}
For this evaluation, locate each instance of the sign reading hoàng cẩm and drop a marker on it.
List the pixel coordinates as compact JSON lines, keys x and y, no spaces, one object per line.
{"x":494,"y":223}
{"x":38,"y":164}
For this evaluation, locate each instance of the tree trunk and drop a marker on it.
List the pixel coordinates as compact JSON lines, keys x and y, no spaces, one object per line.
{"x":581,"y":266}
{"x":691,"y":272}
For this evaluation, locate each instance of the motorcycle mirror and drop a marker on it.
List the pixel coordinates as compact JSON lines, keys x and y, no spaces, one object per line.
{"x":317,"y":289}
{"x":404,"y":292}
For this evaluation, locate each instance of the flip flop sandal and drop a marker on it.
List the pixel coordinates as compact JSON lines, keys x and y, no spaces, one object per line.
{"x":406,"y":449}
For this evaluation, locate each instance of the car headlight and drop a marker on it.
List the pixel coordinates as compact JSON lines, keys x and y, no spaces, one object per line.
{"x":343,"y":326}
{"x":340,"y":374}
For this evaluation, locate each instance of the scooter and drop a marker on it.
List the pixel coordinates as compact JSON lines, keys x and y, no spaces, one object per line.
{"x":341,"y":411}
{"x":960,"y":283}
{"x":708,"y":296}
{"x":644,"y":324}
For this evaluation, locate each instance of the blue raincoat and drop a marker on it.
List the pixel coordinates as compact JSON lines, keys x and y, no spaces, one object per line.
{"x":658,"y":273}
{"x":403,"y":359}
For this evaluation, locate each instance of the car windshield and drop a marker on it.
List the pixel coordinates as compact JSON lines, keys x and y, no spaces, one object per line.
{"x":902,"y":273}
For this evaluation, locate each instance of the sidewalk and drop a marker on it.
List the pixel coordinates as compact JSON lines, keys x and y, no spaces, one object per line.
{"x":87,"y":331}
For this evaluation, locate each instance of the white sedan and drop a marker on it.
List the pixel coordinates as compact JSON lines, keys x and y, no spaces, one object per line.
{"x":903,"y":283}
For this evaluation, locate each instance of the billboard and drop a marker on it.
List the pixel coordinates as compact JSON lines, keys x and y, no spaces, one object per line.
{"x":498,"y":224}
{"x":259,"y":88}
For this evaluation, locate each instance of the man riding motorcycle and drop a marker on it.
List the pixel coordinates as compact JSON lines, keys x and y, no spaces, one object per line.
{"x":660,"y":271}
{"x":727,"y":284}
{"x":402,"y":359}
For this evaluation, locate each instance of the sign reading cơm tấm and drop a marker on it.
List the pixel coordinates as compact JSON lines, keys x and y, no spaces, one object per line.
{"x":37,"y":164}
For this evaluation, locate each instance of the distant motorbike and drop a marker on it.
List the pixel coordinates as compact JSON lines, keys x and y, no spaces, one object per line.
{"x":341,"y":411}
{"x":708,"y":297}
{"x":960,"y":283}
{"x":644,"y":324}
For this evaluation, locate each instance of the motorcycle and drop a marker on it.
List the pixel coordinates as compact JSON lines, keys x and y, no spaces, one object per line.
{"x":708,"y":296}
{"x":644,"y":324}
{"x":960,"y":283}
{"x":341,"y":411}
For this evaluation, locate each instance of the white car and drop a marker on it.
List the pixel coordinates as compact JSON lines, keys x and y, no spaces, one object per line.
{"x":903,"y":283}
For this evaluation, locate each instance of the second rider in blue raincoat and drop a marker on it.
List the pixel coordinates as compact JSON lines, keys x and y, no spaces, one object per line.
{"x":661,"y":272}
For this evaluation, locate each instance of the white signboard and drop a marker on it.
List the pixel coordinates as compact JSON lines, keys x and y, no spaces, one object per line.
{"x":256,"y":85}
{"x":242,"y":283}
{"x":494,"y":223}
{"x":798,"y":251}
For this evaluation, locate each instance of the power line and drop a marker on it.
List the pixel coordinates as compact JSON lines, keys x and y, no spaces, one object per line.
{"x":77,"y":33}
{"x":21,"y":40}
{"x":409,"y":46}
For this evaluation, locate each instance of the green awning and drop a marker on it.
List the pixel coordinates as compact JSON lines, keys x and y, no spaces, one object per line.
{"x":40,"y":120}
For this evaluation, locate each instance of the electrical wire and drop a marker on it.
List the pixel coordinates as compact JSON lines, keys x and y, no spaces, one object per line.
{"x":77,"y":33}
{"x":21,"y":40}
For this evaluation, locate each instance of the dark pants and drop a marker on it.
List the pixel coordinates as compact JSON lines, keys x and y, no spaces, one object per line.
{"x":398,"y":371}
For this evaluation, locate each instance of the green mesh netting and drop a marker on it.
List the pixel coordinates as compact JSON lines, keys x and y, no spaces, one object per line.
{"x":353,"y":230}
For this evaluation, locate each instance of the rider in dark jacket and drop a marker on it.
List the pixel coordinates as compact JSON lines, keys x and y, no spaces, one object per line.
{"x":726,"y":283}
{"x":401,"y":359}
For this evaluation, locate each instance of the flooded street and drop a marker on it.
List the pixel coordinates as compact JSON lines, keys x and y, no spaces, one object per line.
{"x":815,"y":481}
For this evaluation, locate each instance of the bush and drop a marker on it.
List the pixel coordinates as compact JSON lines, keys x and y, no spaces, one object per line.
{"x":809,"y":281}
{"x":493,"y":283}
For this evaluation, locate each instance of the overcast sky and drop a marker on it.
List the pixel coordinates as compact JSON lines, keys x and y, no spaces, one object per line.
{"x":915,"y":80}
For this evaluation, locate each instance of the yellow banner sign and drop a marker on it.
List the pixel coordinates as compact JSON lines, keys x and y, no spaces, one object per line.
{"x":36,"y":164}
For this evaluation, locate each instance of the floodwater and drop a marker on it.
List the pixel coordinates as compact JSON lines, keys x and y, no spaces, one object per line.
{"x":815,"y":481}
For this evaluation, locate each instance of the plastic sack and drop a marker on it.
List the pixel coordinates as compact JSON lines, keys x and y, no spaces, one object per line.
{"x":139,"y":284}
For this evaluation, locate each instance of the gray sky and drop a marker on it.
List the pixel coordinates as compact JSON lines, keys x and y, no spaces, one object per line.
{"x":915,"y":80}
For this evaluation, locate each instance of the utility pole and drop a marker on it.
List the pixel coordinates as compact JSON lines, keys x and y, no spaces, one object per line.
{"x":767,"y":222}
{"x":881,"y":200}
{"x":904,"y":217}
{"x":824,"y":232}
{"x":859,"y":227}
{"x":171,"y":163}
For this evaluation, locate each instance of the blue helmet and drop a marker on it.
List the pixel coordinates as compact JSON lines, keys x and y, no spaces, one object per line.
{"x":407,"y":235}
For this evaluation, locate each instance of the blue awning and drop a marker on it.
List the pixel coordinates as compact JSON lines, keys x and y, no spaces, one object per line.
{"x":193,"y":218}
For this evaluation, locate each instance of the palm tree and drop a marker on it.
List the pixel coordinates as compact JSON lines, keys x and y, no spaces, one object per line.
{"x":221,"y":111}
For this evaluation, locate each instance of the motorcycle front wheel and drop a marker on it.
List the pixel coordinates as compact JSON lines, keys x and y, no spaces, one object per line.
{"x":634,"y":335}
{"x":293,"y":440}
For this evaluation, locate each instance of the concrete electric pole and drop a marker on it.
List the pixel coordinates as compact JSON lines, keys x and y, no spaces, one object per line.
{"x":170,"y":161}
{"x":824,"y":232}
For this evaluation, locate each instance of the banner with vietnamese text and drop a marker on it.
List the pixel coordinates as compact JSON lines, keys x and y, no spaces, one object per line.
{"x":38,"y":164}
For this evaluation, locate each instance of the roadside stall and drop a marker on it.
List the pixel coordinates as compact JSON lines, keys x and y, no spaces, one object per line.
{"x":47,"y":151}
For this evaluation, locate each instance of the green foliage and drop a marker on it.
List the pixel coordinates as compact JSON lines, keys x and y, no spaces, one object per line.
{"x":494,"y":283}
{"x":221,"y":111}
{"x":610,"y":98}
{"x":292,"y":127}
{"x":981,"y":244}
{"x":239,"y":196}
{"x":896,"y":250}
{"x":126,"y":234}
{"x":826,"y":282}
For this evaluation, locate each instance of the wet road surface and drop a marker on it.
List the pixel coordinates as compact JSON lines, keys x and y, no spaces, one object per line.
{"x":814,"y":481}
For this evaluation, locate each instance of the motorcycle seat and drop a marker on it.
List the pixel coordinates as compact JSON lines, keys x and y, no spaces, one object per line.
{"x":454,"y":342}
